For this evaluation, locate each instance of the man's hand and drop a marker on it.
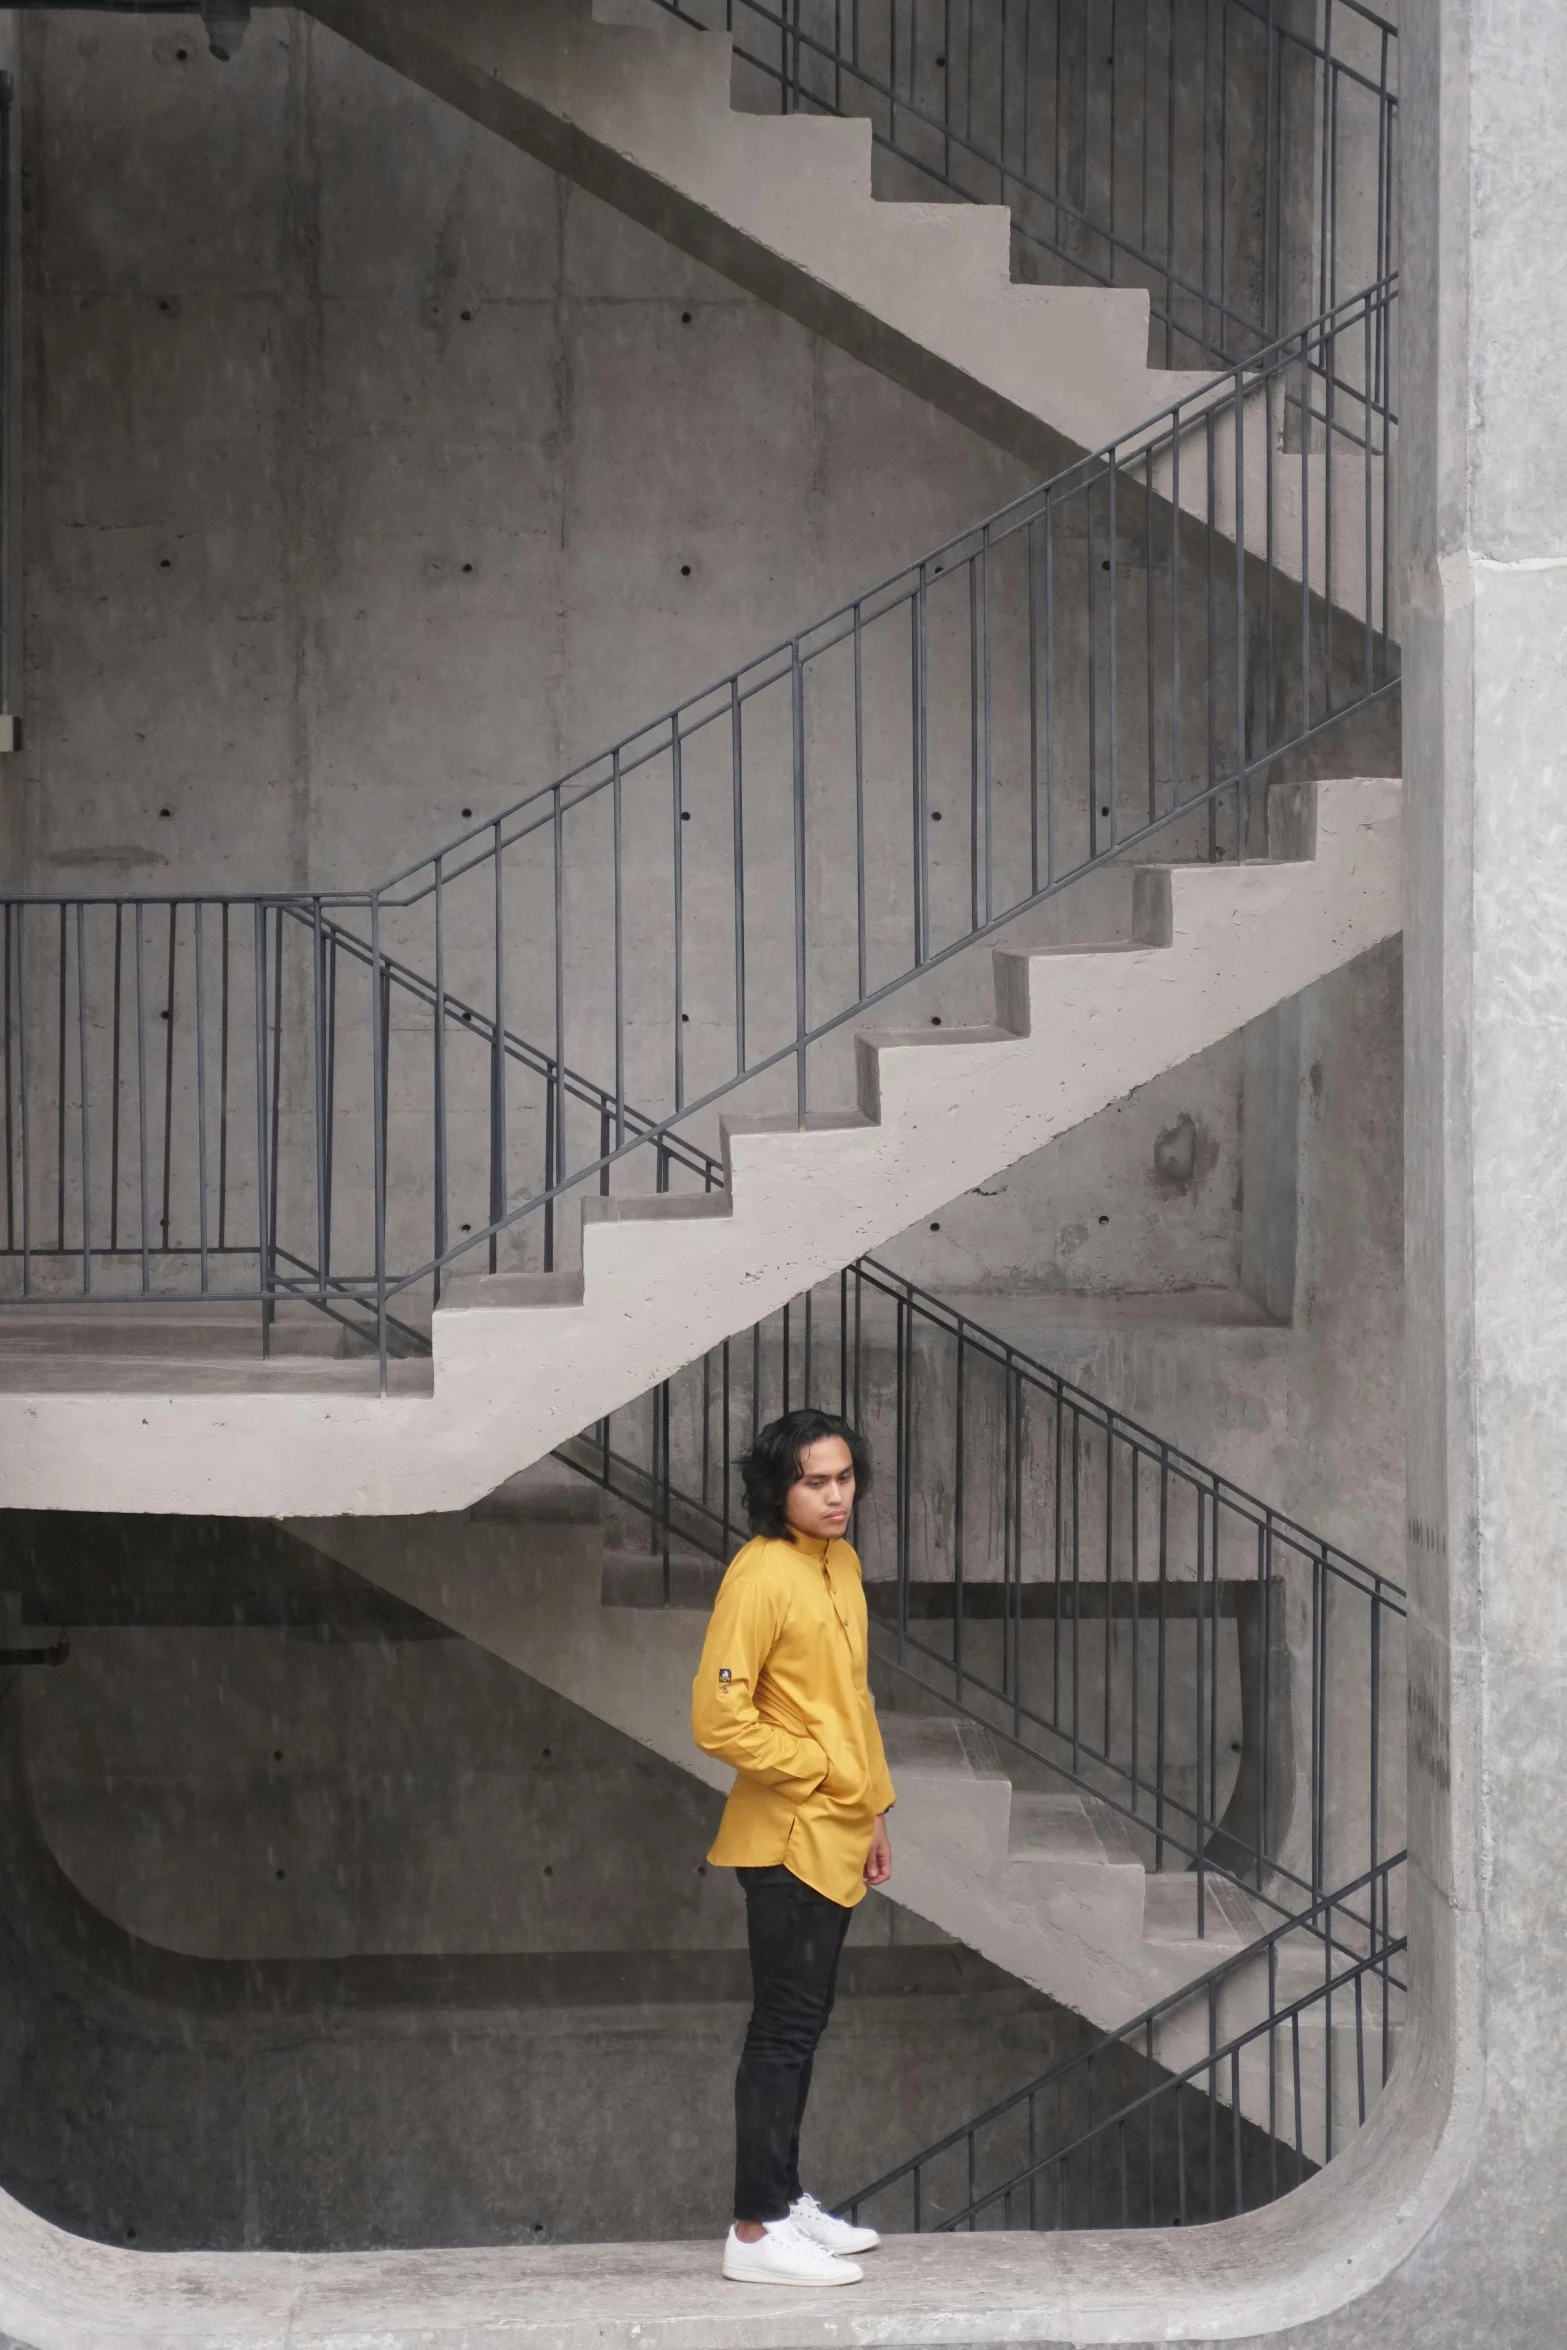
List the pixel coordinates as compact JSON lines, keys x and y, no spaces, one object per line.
{"x":878,"y":1861}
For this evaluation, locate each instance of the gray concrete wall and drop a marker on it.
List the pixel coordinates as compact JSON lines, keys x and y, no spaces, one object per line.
{"x":268,"y":1794}
{"x":500,"y":2093}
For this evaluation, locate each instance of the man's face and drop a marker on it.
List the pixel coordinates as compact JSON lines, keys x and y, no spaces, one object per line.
{"x":820,"y":1499}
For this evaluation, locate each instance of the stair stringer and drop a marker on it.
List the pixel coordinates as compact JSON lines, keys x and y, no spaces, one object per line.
{"x":782,"y":205}
{"x":523,"y":1362}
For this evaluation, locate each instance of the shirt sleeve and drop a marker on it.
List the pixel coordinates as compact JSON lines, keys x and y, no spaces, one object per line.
{"x":882,"y":1796}
{"x":724,"y":1719}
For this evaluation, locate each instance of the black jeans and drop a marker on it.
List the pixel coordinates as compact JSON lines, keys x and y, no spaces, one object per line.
{"x":795,"y":1936}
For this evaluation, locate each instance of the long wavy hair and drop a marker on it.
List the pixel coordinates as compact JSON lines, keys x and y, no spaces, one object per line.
{"x":773,"y":1464}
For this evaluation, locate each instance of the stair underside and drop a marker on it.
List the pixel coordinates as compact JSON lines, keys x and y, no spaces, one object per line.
{"x":782,"y":205}
{"x":1053,"y":1888}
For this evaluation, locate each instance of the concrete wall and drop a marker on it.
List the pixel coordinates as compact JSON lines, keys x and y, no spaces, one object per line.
{"x":267,"y":1794}
{"x":490,"y":2076}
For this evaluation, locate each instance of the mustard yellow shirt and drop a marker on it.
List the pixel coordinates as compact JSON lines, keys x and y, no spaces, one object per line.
{"x":781,"y":1694}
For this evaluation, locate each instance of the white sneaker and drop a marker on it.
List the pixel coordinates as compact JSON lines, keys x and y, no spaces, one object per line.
{"x":825,"y":2228}
{"x":785,"y":2255}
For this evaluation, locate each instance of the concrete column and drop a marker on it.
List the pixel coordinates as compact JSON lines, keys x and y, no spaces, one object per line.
{"x":1484,"y":463}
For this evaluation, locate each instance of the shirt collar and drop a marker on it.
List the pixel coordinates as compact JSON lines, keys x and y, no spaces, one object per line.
{"x":814,"y":1547}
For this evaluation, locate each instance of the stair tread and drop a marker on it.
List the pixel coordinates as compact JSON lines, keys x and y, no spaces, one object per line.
{"x":636,"y":1579}
{"x":1230,"y":1920}
{"x":938,"y":1743}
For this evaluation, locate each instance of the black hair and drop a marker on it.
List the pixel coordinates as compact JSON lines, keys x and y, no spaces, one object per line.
{"x":773,"y":1464}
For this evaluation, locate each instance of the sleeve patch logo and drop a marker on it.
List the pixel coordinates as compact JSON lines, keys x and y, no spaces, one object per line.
{"x":724,"y":1673}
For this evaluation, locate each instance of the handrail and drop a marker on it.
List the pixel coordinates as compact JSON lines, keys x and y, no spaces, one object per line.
{"x":1117,"y":168}
{"x":772,"y":858}
{"x":1217,"y":2073}
{"x":997,"y":1591}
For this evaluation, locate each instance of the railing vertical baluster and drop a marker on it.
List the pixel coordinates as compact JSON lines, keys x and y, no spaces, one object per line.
{"x":1161,"y":1670}
{"x":1203,"y":1794}
{"x":920,"y":868}
{"x":10,"y":1116}
{"x":1077,"y":1587}
{"x":1135,"y":1541}
{"x":63,"y":961}
{"x":223,"y":1069}
{"x":440,"y":1174}
{"x":1112,"y":661}
{"x":499,"y":1185}
{"x":141,"y":1099}
{"x":797,"y":741}
{"x":958,"y":1499}
{"x":378,"y":1118}
{"x":198,"y":997}
{"x":21,"y":1101}
{"x":165,"y":1234}
{"x":902,"y":1423}
{"x":1109,"y":1573}
{"x":737,"y":824}
{"x":331,"y":1094}
{"x":859,"y":801}
{"x":274,"y":1225}
{"x":83,"y":1075}
{"x":974,"y":691}
{"x":678,"y":906}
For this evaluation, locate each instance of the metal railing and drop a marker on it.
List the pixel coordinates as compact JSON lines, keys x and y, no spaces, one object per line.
{"x":277,"y":1094}
{"x":1217,"y":1674}
{"x":1294,"y":2043}
{"x":1237,"y":158}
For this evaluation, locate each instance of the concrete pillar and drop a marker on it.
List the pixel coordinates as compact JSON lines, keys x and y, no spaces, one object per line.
{"x":1464,"y":2166}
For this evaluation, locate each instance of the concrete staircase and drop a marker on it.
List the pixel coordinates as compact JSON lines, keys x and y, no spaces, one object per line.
{"x":782,"y":205}
{"x":522,"y":1362}
{"x":1056,"y":1887}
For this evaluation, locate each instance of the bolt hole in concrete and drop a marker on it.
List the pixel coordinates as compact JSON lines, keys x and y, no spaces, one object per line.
{"x":685,"y":318}
{"x":935,"y":815}
{"x":1104,"y":1219}
{"x":935,"y":1227}
{"x":467,"y":567}
{"x":685,"y":571}
{"x":165,"y":812}
{"x":467,"y":315}
{"x":278,"y":1873}
{"x":685,"y":815}
{"x":180,"y":56}
{"x":277,"y":1754}
{"x":685,"y":1017}
{"x":1105,"y":563}
{"x":467,"y":811}
{"x":467,"y":1228}
{"x":165,"y":563}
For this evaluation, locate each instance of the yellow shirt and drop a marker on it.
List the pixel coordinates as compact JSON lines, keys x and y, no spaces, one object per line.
{"x":781,"y":1694}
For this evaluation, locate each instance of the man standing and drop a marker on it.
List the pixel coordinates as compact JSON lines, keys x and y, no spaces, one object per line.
{"x":781,"y":1694}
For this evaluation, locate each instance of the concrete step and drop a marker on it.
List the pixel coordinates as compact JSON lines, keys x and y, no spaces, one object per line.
{"x":631,"y":1578}
{"x":523,"y":1362}
{"x":783,"y":206}
{"x":171,"y":1329}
